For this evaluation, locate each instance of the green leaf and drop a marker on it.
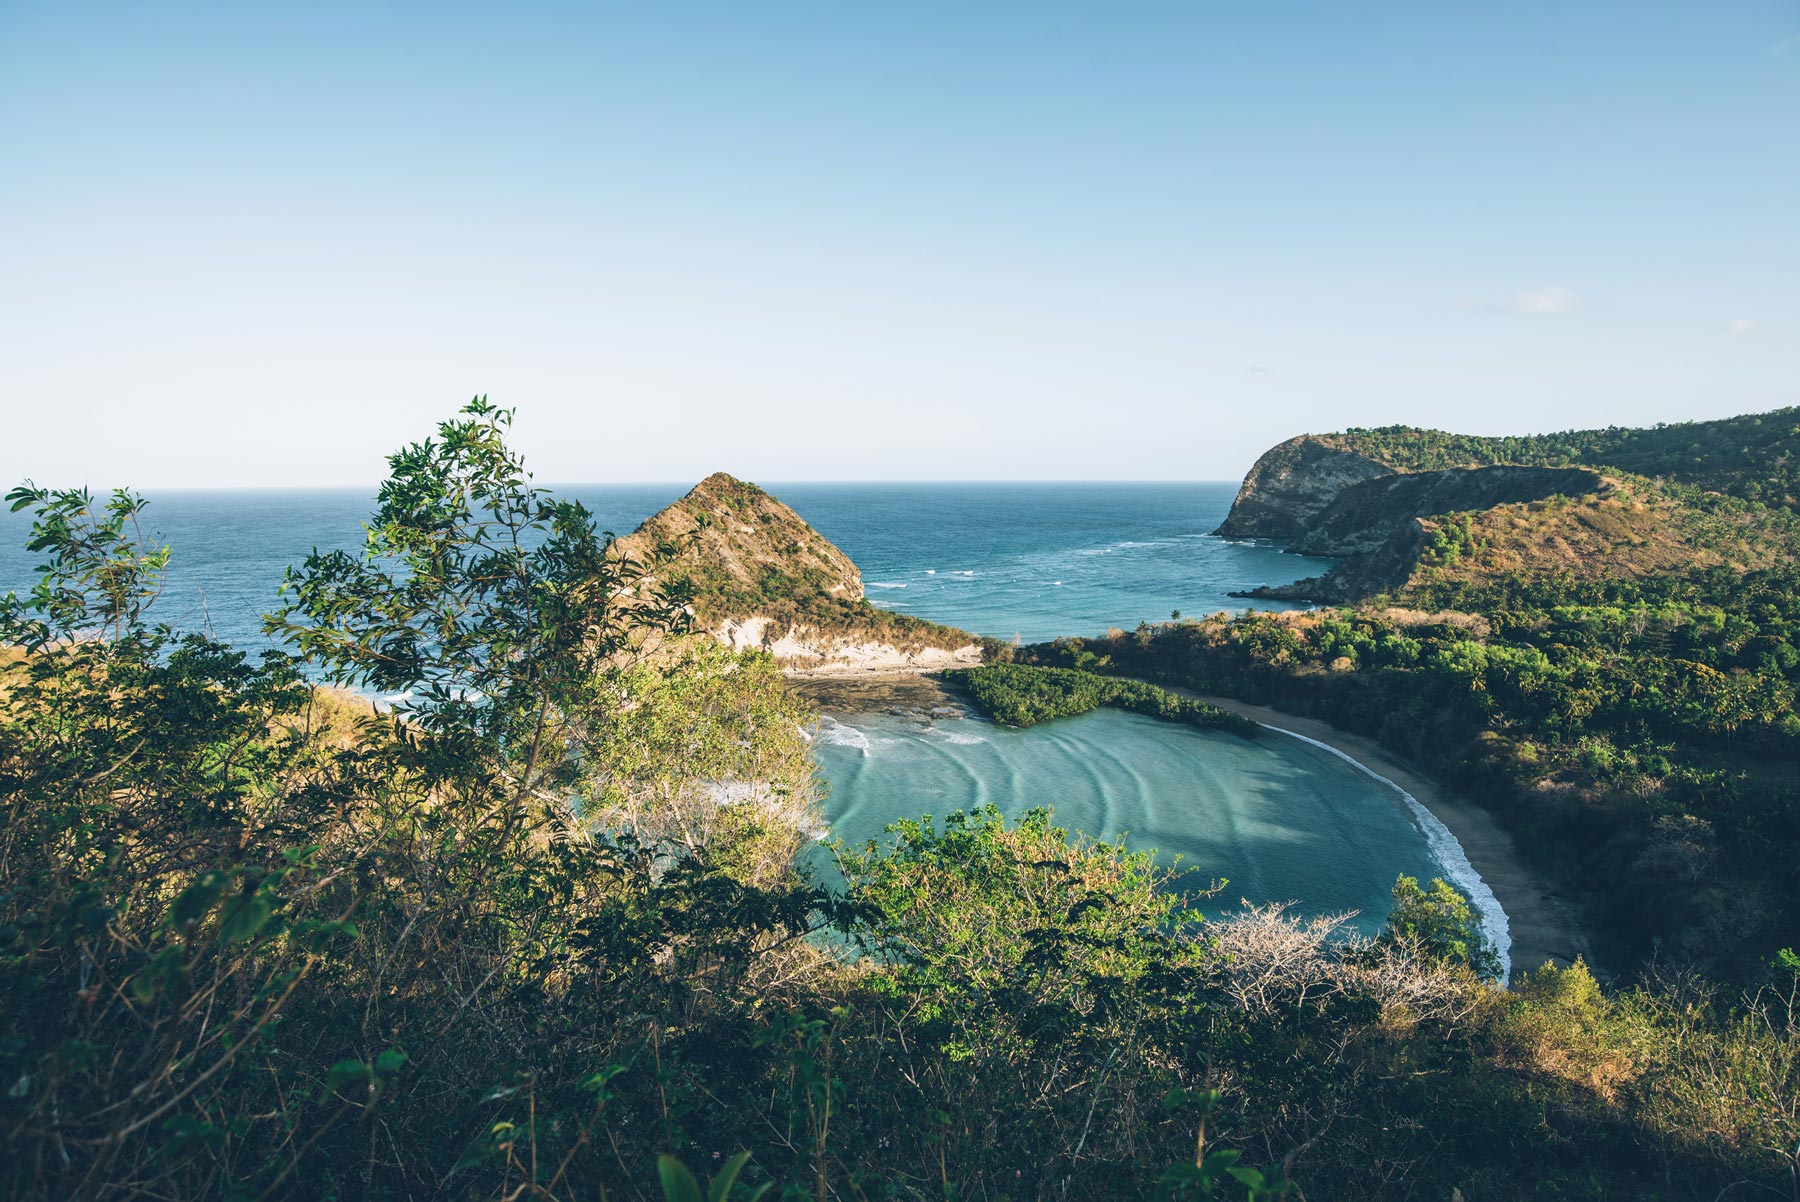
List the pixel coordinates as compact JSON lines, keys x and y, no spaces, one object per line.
{"x":598,"y":1082}
{"x":719,"y":1188}
{"x":343,"y":1073}
{"x":678,"y":1184}
{"x":193,"y":903}
{"x":1219,"y":1162}
{"x":245,"y":915}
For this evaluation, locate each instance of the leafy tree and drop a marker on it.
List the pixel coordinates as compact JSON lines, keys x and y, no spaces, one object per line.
{"x":1439,"y":920}
{"x":485,"y":603}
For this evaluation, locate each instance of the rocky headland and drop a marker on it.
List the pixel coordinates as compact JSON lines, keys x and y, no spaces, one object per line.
{"x":759,"y":576}
{"x":1397,"y":509}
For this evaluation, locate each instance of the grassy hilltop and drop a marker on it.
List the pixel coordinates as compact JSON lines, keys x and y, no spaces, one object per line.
{"x":740,"y":554}
{"x":1755,"y":457}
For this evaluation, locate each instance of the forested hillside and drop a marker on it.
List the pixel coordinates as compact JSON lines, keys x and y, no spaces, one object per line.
{"x":1756,"y":456}
{"x":1640,"y":739}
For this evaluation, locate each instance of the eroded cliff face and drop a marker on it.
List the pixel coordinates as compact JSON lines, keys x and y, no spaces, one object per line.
{"x":1322,"y":499}
{"x":1291,"y":485}
{"x":814,"y":651}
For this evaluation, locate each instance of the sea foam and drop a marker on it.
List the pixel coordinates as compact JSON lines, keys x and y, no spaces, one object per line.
{"x":1449,"y":853}
{"x":837,"y":734}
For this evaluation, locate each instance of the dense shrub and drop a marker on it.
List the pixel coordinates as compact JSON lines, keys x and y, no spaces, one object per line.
{"x":1022,"y":695}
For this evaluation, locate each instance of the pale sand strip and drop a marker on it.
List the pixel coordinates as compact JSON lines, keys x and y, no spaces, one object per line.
{"x":1543,"y":925}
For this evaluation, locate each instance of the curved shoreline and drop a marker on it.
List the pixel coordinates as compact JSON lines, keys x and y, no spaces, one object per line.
{"x":1541,"y":926}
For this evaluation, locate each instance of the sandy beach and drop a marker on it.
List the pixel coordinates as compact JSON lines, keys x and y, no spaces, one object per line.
{"x":1543,"y":925}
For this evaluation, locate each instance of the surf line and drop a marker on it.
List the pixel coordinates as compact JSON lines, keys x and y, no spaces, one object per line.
{"x":1446,"y":847}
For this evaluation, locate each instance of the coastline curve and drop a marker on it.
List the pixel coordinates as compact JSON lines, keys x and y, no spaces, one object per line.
{"x":1445,"y":846}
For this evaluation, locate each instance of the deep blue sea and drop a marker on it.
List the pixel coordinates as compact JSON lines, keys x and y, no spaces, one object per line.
{"x":1281,"y":819}
{"x":1034,"y":560}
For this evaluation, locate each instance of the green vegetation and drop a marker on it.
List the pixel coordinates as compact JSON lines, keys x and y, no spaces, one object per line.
{"x":1639,"y":736}
{"x":1755,"y":457}
{"x":734,"y":553}
{"x":1643,"y":531}
{"x":543,"y":934}
{"x":1019,"y":695}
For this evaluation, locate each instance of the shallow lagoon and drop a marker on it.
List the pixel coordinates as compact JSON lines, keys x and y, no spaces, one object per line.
{"x":1280,"y":819}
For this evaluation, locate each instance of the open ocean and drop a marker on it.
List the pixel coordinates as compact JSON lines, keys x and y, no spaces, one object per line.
{"x":1280,"y":819}
{"x":1034,"y":560}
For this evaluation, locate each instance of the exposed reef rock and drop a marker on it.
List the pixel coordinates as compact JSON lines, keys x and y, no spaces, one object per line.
{"x":760,"y":577}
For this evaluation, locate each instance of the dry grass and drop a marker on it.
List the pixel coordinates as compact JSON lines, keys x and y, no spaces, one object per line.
{"x":1629,"y":532}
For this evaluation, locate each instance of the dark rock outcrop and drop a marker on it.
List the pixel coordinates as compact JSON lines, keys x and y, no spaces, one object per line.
{"x":1291,"y":485}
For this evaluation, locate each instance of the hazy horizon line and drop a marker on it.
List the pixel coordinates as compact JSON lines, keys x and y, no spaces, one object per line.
{"x":685,"y":484}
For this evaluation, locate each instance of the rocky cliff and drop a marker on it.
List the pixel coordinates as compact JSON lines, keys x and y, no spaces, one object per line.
{"x":759,"y":576}
{"x":1293,"y":483}
{"x":1361,"y":497}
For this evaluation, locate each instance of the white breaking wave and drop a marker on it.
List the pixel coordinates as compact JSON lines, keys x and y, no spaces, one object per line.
{"x":956,"y":737}
{"x":835,"y":733}
{"x":884,"y":584}
{"x":1449,"y":853}
{"x":1122,"y":545}
{"x":968,"y":573}
{"x":931,"y":571}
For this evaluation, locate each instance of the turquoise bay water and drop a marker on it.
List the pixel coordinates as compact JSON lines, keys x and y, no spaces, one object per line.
{"x":1281,"y":819}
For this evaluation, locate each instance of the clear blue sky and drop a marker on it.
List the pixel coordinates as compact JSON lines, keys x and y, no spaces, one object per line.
{"x":259,"y":244}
